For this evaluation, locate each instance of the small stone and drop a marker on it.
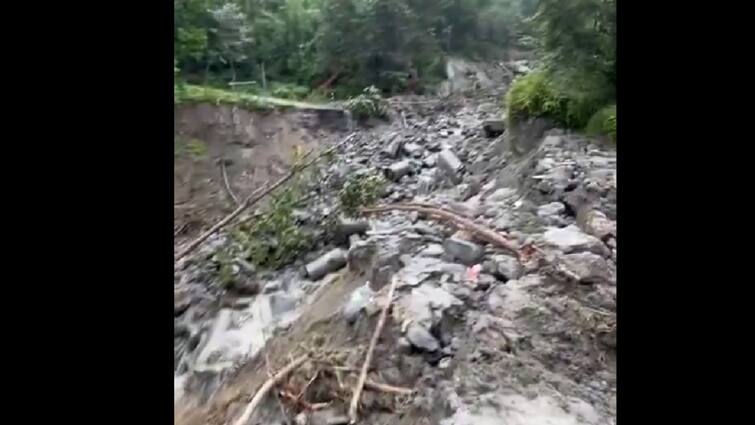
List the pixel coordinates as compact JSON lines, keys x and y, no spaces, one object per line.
{"x":430,"y":161}
{"x":466,"y":252}
{"x":422,"y":338}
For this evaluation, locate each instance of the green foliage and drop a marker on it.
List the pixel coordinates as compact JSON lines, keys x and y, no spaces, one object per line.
{"x":360,"y":191}
{"x":274,"y":239}
{"x":369,"y":104}
{"x":348,"y":43}
{"x":603,"y":123}
{"x":577,"y":43}
{"x":538,"y":95}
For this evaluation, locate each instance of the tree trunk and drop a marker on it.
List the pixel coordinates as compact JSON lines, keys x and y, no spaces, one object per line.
{"x":264,"y":78}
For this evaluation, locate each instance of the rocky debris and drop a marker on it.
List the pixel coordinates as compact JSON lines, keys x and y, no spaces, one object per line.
{"x":587,"y":267}
{"x":421,"y":338}
{"x":596,"y":223}
{"x":503,"y":267}
{"x":330,"y":262}
{"x":466,"y":252}
{"x":397,"y":170}
{"x":451,"y":165}
{"x":432,"y":250}
{"x":570,"y":239}
{"x":493,"y":128}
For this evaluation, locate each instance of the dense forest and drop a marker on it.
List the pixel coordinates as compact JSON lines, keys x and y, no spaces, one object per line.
{"x":336,"y":48}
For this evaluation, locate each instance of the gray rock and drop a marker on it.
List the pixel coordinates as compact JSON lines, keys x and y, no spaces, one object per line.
{"x":347,"y":227}
{"x":397,"y":170}
{"x":570,"y":239}
{"x":330,"y":262}
{"x":432,"y":250}
{"x":359,"y":299}
{"x":413,"y":150}
{"x":361,"y":256}
{"x":244,"y":286}
{"x":596,"y":223}
{"x":281,"y":303}
{"x":551,"y":213}
{"x":451,"y":165}
{"x":421,"y":338}
{"x":466,"y":252}
{"x":588,"y":267}
{"x":493,"y":128}
{"x":503,"y":266}
{"x":181,"y":302}
{"x":430,"y":161}
{"x":425,"y":184}
{"x":501,"y":195}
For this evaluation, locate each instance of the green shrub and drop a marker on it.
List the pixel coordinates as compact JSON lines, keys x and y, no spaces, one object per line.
{"x":569,"y":102}
{"x":534,"y":95}
{"x":603,"y":122}
{"x":369,"y":104}
{"x":360,"y":191}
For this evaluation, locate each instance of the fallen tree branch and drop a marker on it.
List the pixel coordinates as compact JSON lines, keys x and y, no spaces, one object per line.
{"x":385,"y":388}
{"x":368,"y":358}
{"x":483,"y":232}
{"x":227,"y":185}
{"x":257,"y":195}
{"x":265,"y":388}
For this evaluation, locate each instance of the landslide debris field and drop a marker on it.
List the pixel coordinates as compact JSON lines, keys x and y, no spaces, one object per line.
{"x":500,"y":244}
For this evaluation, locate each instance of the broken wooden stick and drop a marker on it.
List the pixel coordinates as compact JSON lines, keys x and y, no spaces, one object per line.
{"x":265,"y":388}
{"x":368,"y":358}
{"x":483,"y":232}
{"x":227,"y":184}
{"x":257,"y":195}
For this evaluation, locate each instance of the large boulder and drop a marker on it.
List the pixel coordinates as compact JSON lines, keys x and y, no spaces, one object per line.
{"x":571,"y":239}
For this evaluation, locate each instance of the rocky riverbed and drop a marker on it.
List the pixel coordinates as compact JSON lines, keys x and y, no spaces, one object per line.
{"x":481,"y":335}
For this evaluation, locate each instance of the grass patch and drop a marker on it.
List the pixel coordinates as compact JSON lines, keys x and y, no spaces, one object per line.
{"x":189,"y":93}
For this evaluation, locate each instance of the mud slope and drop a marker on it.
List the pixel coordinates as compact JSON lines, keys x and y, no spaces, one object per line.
{"x":480,"y":335}
{"x":253,"y":146}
